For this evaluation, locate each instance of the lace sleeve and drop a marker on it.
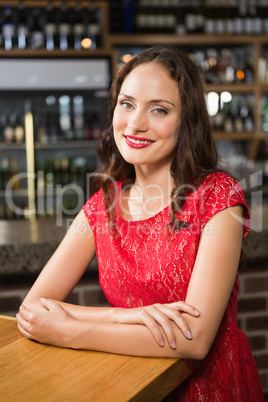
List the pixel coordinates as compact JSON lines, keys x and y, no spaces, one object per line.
{"x":220,"y":192}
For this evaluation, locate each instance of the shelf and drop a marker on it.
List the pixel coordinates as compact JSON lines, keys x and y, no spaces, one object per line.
{"x":233,"y":136}
{"x":55,"y":53}
{"x":158,"y":39}
{"x":9,"y":146}
{"x":68,"y":144}
{"x":15,"y":193}
{"x":239,"y":88}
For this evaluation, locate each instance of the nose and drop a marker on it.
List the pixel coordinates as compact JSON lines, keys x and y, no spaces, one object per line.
{"x":137,"y":121}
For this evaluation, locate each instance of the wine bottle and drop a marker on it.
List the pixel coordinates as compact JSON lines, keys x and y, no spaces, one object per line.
{"x":93,"y":29}
{"x":65,"y":28}
{"x":22,"y":27}
{"x":78,"y":27}
{"x":37,"y":36}
{"x":19,"y":129}
{"x":8,"y":130}
{"x":50,"y":27}
{"x":8,"y":29}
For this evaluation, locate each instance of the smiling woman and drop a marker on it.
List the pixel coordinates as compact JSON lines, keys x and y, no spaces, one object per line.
{"x":167,"y":226}
{"x":147,"y":115}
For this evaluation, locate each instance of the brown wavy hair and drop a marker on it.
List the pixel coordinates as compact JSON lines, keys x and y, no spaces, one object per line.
{"x":195,"y":154}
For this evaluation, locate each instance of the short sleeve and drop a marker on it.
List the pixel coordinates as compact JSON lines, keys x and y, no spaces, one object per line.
{"x":92,"y":208}
{"x":220,"y":191}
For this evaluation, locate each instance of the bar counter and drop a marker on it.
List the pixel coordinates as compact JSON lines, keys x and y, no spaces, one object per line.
{"x":30,"y":371}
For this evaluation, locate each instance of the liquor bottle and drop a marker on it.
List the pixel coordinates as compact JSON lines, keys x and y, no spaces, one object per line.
{"x":78,"y":117}
{"x":4,"y":172}
{"x":264,"y":112}
{"x":50,"y":28}
{"x":19,"y":129}
{"x":8,"y":29}
{"x":228,"y":125}
{"x":65,"y":28}
{"x":13,"y":172}
{"x":95,"y":125}
{"x":218,"y":120}
{"x":209,"y":18}
{"x":8,"y":129}
{"x":247,"y":115}
{"x":22,"y":27}
{"x":92,"y":27}
{"x":42,"y":135}
{"x":37,"y":36}
{"x":248,"y":70}
{"x":237,"y":117}
{"x":65,"y":166}
{"x":78,"y":27}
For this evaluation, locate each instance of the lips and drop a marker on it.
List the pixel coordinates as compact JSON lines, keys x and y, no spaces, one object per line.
{"x":137,"y":142}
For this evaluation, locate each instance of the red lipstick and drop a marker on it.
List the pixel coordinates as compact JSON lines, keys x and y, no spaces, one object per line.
{"x":137,"y":142}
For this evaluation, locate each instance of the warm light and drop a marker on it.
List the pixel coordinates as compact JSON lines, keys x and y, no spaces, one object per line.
{"x":86,"y":43}
{"x":240,"y":74}
{"x":212,"y":62}
{"x":126,"y":58}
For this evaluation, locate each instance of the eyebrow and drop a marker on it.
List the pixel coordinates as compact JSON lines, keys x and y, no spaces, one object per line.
{"x":151,"y":101}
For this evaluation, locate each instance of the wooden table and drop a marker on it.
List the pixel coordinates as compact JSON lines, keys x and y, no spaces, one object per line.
{"x":30,"y":372}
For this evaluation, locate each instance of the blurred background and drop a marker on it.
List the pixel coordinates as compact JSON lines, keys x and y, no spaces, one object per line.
{"x":57,"y":61}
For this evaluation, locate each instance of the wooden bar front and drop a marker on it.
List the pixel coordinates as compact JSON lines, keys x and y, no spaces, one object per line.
{"x":30,"y":371}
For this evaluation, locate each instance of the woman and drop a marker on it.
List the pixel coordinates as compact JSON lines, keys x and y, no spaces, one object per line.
{"x":167,"y":227}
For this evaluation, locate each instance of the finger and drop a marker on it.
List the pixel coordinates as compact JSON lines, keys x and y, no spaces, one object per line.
{"x":25,"y":333}
{"x":185,"y":307}
{"x":153,"y":327}
{"x":177,"y":318}
{"x":24,"y":326}
{"x":25,"y":313}
{"x":164,"y":321}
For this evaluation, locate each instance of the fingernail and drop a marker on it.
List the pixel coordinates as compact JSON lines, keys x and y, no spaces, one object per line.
{"x":162,"y":343}
{"x":173,"y":344}
{"x":196,"y":312}
{"x":189,"y":335}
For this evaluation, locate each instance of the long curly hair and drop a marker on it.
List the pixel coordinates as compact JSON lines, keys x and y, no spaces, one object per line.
{"x":195,"y":154}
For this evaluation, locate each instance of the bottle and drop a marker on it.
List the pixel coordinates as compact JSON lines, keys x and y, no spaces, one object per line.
{"x":264,"y":111}
{"x":8,"y":130}
{"x":8,"y":29}
{"x":228,"y":119}
{"x":13,"y":172}
{"x":78,"y":27}
{"x":50,"y":27}
{"x":93,"y":27}
{"x":37,"y":36}
{"x":65,"y":29}
{"x":95,"y":125}
{"x":22,"y":27}
{"x":237,"y":117}
{"x":248,"y":117}
{"x":19,"y":129}
{"x":42,"y":135}
{"x":248,"y":70}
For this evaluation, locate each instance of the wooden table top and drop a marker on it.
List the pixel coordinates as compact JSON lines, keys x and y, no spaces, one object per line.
{"x":30,"y":372}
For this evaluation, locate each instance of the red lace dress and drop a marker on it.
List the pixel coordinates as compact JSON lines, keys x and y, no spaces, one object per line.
{"x":140,"y":265}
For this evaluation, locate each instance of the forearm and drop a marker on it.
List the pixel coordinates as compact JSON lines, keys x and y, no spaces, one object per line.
{"x":127,"y":339}
{"x":88,"y":314}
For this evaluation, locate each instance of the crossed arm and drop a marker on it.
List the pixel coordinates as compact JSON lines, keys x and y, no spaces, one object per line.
{"x":157,"y":330}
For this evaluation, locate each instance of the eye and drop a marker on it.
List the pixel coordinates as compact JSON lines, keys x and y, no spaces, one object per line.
{"x":160,"y":111}
{"x":126,"y":105}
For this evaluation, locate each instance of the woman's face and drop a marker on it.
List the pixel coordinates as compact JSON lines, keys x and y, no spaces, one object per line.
{"x":146,"y":118}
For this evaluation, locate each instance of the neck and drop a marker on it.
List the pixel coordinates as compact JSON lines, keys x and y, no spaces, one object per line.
{"x":153,"y":182}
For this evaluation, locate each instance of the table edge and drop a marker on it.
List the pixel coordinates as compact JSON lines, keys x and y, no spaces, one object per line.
{"x":7,"y":317}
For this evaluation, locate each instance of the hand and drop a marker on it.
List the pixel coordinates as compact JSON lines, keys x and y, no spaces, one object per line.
{"x":157,"y":317}
{"x":52,"y":326}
